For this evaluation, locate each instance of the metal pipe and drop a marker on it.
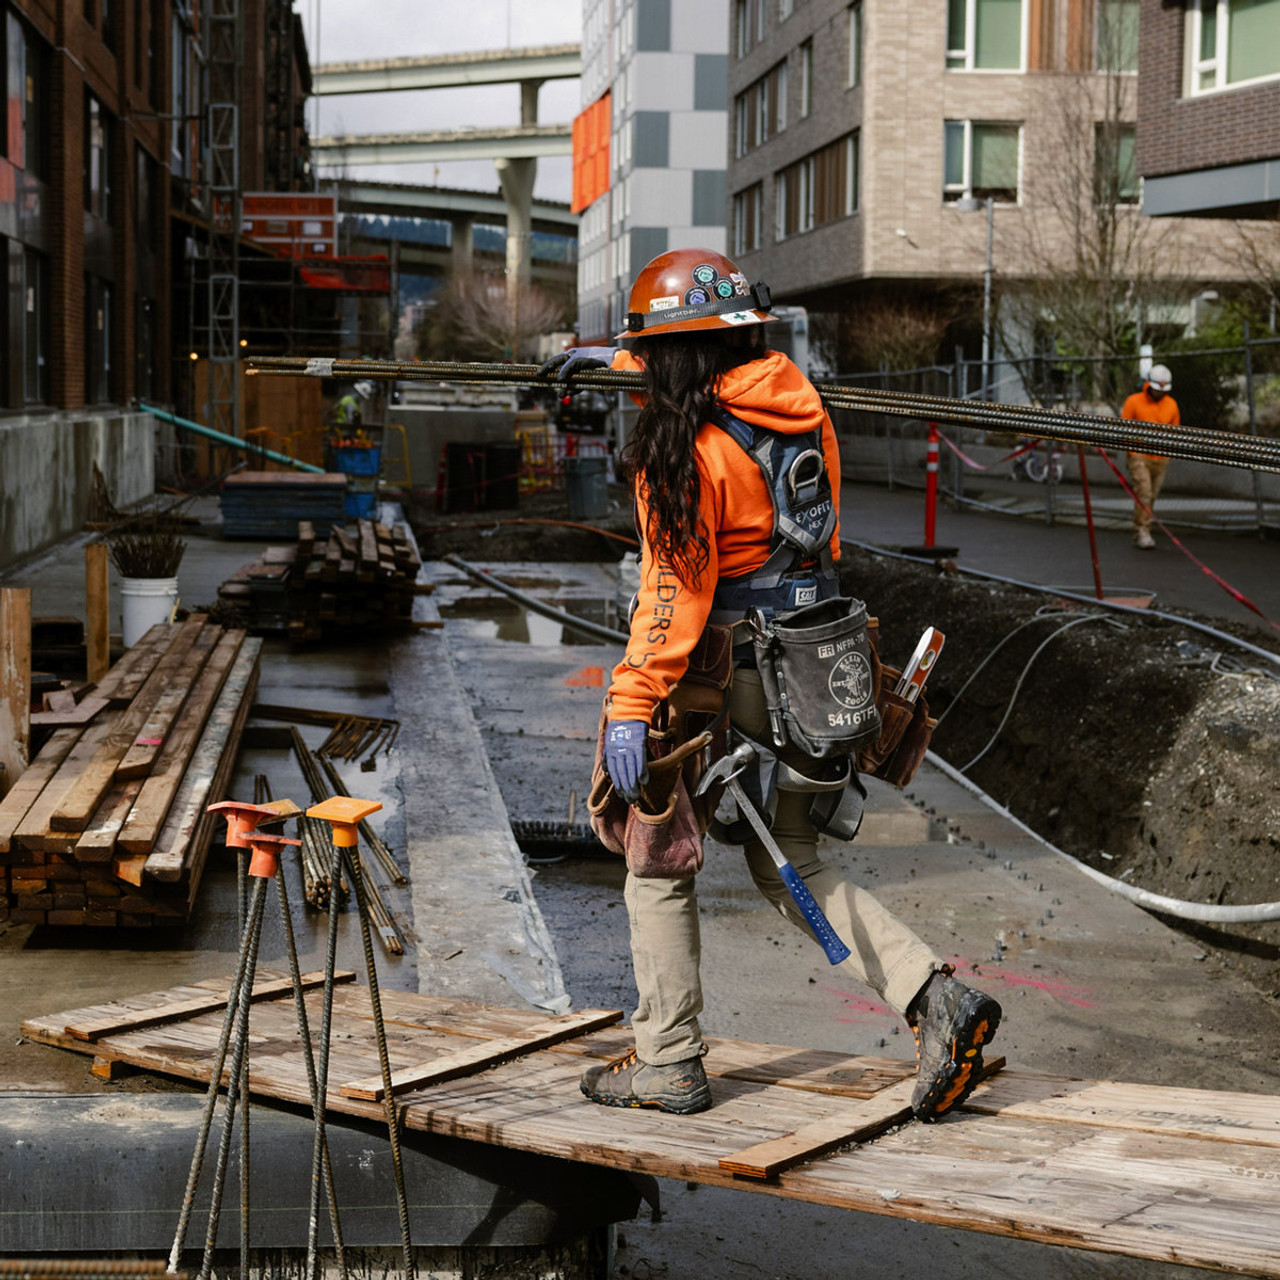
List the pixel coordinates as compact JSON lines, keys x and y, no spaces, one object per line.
{"x":594,"y":629}
{"x":230,"y":441}
{"x":1191,"y":443}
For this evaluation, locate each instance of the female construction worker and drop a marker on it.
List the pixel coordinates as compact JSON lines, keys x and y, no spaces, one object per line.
{"x":707,"y":520}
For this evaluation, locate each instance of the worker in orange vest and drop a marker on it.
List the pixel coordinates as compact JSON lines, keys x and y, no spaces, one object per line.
{"x":1146,"y":471}
{"x":731,"y":438}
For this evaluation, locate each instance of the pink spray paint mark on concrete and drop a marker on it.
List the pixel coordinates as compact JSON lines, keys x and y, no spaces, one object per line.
{"x":1011,"y":978}
{"x":858,"y":1008}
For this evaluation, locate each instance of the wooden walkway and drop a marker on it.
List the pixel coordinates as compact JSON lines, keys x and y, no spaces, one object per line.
{"x":1178,"y":1175}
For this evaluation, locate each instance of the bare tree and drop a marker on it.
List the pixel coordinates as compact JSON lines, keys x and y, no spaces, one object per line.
{"x":894,"y":333}
{"x":471,"y":318}
{"x":1255,"y":254}
{"x":1093,"y":266}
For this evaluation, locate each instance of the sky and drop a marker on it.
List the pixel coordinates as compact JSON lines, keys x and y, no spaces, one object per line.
{"x":347,"y":30}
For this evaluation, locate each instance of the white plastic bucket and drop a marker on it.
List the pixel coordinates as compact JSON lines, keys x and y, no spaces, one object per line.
{"x":144,"y":602}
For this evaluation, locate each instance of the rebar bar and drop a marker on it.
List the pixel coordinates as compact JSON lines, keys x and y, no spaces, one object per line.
{"x":377,"y":846}
{"x":1191,"y":443}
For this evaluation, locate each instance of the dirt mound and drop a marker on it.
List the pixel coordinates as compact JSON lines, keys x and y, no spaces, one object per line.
{"x":1143,"y":747}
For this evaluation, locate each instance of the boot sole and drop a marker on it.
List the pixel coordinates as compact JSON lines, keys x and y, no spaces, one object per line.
{"x":688,"y":1107}
{"x":964,"y":1070}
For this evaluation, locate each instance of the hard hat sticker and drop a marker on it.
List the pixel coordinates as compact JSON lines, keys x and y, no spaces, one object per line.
{"x":704,"y":273}
{"x":724,"y":289}
{"x":739,"y":317}
{"x":663,"y":304}
{"x":697,"y":297}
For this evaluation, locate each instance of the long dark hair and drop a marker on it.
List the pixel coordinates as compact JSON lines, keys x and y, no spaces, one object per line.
{"x":681,"y":372}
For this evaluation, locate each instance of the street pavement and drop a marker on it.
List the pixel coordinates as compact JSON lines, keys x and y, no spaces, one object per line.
{"x":1027,"y":548}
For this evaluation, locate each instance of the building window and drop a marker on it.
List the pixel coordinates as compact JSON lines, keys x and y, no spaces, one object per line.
{"x":821,"y":188}
{"x":27,"y":77}
{"x":1232,"y":42}
{"x":748,"y":218}
{"x":35,"y":328}
{"x":97,"y":159}
{"x":984,"y":35}
{"x":1116,"y":36}
{"x":1115,"y":173}
{"x":97,"y":340}
{"x":748,"y":25}
{"x":855,"y":45}
{"x":806,"y":79}
{"x":760,"y":110}
{"x":982,"y":160}
{"x":785,"y":9}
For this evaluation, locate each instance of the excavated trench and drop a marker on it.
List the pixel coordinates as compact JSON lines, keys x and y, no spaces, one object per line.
{"x":1140,"y":746}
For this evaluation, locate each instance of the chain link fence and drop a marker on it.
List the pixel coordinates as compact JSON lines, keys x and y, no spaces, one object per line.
{"x":1232,"y":389}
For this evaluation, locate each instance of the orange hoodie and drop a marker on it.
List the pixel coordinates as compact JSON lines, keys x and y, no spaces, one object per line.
{"x":737,"y":509}
{"x":1140,"y":407}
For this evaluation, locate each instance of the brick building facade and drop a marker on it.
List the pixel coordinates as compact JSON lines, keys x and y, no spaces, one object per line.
{"x":1208,"y":130}
{"x":101,"y":204}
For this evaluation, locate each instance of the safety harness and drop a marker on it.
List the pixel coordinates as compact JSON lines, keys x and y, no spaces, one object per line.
{"x":800,"y":569}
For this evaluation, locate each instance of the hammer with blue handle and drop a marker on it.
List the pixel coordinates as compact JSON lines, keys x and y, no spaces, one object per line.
{"x":725,"y":771}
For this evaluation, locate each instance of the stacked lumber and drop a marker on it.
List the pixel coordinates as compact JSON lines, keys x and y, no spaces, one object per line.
{"x":360,"y":580}
{"x":108,"y":825}
{"x":268,"y":504}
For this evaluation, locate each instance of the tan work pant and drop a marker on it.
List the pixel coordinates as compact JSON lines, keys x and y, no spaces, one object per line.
{"x":665,"y":942}
{"x":1147,"y":476}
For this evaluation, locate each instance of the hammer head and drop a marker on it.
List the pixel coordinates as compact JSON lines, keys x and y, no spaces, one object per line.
{"x":727,"y":767}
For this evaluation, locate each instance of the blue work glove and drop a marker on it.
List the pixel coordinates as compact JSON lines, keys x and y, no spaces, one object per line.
{"x":625,"y":758}
{"x":577,"y":360}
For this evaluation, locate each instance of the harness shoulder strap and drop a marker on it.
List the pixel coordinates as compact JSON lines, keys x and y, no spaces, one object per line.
{"x":804,"y":509}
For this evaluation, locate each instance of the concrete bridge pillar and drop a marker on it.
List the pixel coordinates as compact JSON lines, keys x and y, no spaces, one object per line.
{"x":517,"y":178}
{"x":464,"y":244}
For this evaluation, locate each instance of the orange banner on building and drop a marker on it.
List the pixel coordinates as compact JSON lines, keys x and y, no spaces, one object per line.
{"x":591,"y":129}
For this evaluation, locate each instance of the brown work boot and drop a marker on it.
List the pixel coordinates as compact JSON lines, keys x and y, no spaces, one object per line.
{"x":678,"y":1087}
{"x":951,"y":1023}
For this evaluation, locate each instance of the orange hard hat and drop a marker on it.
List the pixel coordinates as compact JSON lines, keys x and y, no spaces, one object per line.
{"x":690,"y":289}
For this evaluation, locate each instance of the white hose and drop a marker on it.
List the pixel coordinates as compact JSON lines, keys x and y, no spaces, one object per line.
{"x":1183,"y":910}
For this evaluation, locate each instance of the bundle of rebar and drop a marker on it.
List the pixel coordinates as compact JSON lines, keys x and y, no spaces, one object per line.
{"x":350,"y":737}
{"x":317,"y":857}
{"x":1228,"y":448}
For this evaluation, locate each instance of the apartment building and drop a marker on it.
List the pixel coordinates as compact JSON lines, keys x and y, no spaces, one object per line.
{"x":650,"y":144}
{"x":1209,"y":108}
{"x":868,"y":135}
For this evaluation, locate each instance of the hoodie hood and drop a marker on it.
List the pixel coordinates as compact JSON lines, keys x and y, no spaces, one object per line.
{"x":772,"y":392}
{"x":769,"y":392}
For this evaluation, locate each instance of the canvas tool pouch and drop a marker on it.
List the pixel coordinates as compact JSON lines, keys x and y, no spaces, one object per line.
{"x":816,"y":669}
{"x":905,"y":727}
{"x":661,"y":836}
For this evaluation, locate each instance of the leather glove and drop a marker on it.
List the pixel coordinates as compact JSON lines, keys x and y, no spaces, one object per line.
{"x":576,"y":360}
{"x":625,"y":757}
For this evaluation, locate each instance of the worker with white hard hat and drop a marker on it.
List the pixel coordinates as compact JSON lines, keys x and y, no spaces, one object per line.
{"x":1146,"y":471}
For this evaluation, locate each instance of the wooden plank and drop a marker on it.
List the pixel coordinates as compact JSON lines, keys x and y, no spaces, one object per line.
{"x":166,"y":860}
{"x":123,"y":681}
{"x":97,"y":636}
{"x":33,"y":831}
{"x":264,"y":988}
{"x":482,"y":1056}
{"x":81,"y":800}
{"x":129,"y":868}
{"x":1218,"y":1116}
{"x":97,"y":842}
{"x":15,"y":685}
{"x":27,"y":789}
{"x":153,"y":736}
{"x":142,"y":827}
{"x":856,"y":1122}
{"x":79,"y":713}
